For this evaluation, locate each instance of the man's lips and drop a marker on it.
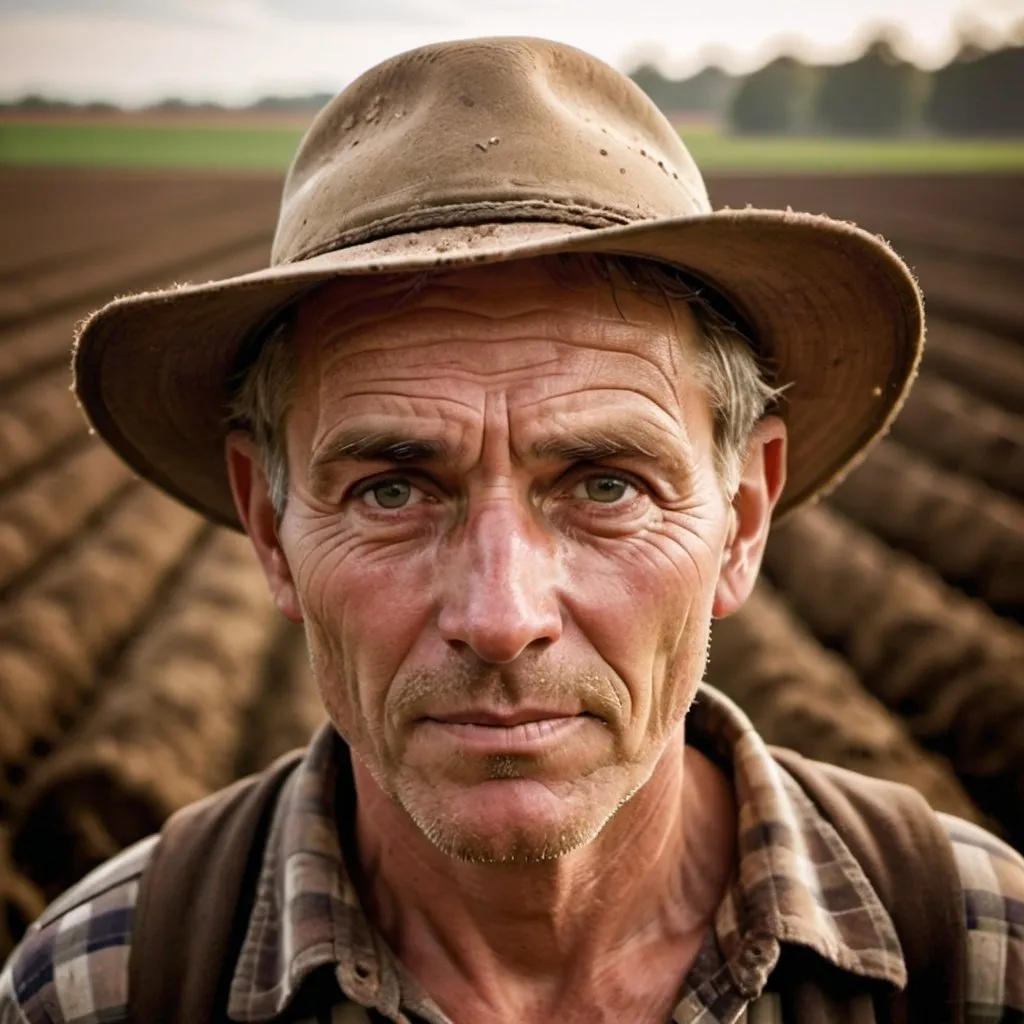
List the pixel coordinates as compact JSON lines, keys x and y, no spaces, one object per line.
{"x":522,"y":732}
{"x":502,"y":719}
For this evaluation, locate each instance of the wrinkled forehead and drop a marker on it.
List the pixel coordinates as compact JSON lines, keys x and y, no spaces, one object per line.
{"x":550,"y":296}
{"x":565,"y":348}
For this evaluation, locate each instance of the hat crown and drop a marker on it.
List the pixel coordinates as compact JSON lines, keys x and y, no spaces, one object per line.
{"x":480,"y":132}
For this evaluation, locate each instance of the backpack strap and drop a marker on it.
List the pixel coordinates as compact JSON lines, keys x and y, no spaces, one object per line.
{"x":901,"y":845}
{"x":194,"y":901}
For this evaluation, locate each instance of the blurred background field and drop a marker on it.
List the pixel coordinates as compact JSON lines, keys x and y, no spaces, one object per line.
{"x":878,"y":112}
{"x":141,"y":664}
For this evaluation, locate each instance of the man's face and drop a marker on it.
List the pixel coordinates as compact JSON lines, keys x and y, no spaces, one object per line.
{"x":504,"y":532}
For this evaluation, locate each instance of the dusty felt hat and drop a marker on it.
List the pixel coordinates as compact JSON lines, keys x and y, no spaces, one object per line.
{"x":491,"y":150}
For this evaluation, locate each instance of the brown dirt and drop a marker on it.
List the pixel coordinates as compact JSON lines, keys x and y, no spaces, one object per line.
{"x":121,"y":668}
{"x":986,"y":365}
{"x":993,"y":200}
{"x":947,"y":665}
{"x":287,"y":710}
{"x":37,"y":517}
{"x":57,"y":632}
{"x":973,"y":536}
{"x":297,"y":120}
{"x":804,"y":697}
{"x":167,"y":728}
{"x":55,"y":218}
{"x":964,"y":433}
{"x":35,"y":421}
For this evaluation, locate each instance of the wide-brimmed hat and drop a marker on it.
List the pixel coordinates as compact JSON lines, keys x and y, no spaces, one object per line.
{"x":489,"y":150}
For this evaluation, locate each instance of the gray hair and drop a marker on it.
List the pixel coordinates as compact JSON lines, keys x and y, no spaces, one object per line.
{"x":729,"y":370}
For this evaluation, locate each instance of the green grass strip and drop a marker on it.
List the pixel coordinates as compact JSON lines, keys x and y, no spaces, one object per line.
{"x":132,"y":146}
{"x":271,"y":149}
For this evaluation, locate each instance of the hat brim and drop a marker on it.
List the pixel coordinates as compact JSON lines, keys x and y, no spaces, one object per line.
{"x":834,"y":311}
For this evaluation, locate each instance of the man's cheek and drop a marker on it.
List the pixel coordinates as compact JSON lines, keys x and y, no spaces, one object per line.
{"x":369,"y":610}
{"x":641,"y":587}
{"x":641,"y":605}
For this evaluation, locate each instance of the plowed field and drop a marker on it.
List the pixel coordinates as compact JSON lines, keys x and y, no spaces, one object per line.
{"x":141,"y":664}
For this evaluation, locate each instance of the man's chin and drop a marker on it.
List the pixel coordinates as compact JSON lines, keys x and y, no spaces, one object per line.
{"x":505,"y":821}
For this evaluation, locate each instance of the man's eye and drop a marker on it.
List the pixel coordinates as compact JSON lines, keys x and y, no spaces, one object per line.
{"x":604,"y":489}
{"x":391,"y":494}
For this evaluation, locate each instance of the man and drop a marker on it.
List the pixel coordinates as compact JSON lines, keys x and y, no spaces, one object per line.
{"x":503,"y":423}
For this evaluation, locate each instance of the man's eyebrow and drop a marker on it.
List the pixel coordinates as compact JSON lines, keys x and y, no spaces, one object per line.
{"x":376,"y":446}
{"x":631,"y":440}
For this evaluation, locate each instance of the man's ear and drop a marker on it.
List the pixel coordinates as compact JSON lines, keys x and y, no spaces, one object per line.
{"x":252,"y":500}
{"x":761,"y":481}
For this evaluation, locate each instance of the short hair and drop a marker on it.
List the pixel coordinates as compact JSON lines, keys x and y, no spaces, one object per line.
{"x":734,"y":378}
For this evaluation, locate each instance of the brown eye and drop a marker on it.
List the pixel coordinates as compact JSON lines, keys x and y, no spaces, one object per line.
{"x":604,"y":489}
{"x":389,"y":494}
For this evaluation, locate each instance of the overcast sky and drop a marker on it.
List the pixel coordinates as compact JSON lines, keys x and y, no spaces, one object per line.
{"x":233,"y":51}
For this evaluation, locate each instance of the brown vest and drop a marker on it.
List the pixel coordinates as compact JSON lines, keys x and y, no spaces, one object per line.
{"x":197,"y":893}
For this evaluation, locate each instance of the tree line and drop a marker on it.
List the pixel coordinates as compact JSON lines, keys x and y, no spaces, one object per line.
{"x":979,"y":93}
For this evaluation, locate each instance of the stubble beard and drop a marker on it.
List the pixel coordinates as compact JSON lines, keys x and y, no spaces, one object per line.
{"x":426,"y":808}
{"x":521,"y":845}
{"x":430,"y":812}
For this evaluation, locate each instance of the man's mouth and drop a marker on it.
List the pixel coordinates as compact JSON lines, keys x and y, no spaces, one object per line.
{"x":503,"y":719}
{"x":524,"y":731}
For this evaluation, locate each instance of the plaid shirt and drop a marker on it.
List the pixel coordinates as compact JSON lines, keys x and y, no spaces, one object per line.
{"x":793,"y":873}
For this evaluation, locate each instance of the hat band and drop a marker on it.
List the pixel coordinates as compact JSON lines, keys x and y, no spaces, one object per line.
{"x":551,"y":211}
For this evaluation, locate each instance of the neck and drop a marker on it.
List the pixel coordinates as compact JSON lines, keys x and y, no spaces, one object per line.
{"x":517,"y":938}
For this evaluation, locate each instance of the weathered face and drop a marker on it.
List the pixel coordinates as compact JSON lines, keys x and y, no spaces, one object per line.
{"x":504,"y":534}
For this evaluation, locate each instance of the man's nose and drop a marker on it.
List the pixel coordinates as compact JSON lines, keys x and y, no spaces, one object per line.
{"x":501,"y":584}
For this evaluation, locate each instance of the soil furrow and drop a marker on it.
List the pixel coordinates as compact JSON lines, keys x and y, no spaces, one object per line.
{"x":54,"y":505}
{"x":46,"y":343}
{"x":964,"y":434}
{"x":985,"y":364}
{"x":961,"y":290}
{"x":973,"y":536}
{"x":131,"y":271}
{"x":167,"y":728}
{"x":985,"y":199}
{"x":36,"y":421}
{"x":126,"y":225}
{"x":801,"y":696}
{"x":288,"y":709}
{"x":946,"y":664}
{"x":70,"y":619}
{"x":45,"y":212}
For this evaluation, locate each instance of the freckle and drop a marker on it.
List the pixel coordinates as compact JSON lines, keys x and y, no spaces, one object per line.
{"x":622,"y":170}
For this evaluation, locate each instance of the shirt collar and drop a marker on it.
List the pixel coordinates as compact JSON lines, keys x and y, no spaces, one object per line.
{"x":307,"y":912}
{"x":796,"y":882}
